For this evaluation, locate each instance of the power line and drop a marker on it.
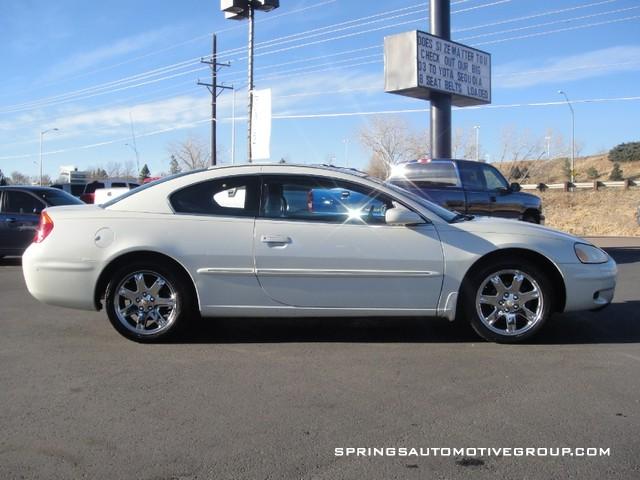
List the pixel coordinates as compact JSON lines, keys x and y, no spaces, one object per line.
{"x":555,"y":22}
{"x":323,"y":115}
{"x":549,"y":32}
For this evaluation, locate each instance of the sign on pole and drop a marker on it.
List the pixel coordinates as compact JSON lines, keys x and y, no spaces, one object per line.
{"x":261,"y":125}
{"x":417,"y":63}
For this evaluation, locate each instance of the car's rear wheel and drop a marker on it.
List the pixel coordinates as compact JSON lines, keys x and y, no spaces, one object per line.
{"x":148,"y":303}
{"x":530,"y":218}
{"x":508,"y":302}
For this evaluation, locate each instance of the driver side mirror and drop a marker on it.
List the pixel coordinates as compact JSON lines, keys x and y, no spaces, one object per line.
{"x":402,"y":216}
{"x":515,"y":187}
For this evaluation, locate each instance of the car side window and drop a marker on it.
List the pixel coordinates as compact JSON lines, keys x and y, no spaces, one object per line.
{"x":493,"y":179}
{"x":322,"y":199}
{"x":231,"y":196}
{"x":21,"y":203}
{"x":471,"y":175}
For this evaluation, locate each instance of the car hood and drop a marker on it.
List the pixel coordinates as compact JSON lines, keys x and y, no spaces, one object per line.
{"x":506,"y":226}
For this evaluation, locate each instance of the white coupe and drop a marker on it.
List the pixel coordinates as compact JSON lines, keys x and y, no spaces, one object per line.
{"x":282,"y":240}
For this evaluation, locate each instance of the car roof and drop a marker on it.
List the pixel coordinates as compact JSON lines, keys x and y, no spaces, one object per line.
{"x":30,"y":188}
{"x":285,"y":166}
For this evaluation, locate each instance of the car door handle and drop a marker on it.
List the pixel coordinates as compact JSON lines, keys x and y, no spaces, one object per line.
{"x":275,"y":239}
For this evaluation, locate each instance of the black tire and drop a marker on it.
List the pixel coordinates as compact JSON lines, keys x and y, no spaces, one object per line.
{"x":470,"y":295}
{"x":530,"y":218}
{"x":177,"y":286}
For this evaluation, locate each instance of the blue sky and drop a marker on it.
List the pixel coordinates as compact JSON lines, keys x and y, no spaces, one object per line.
{"x":88,"y":67}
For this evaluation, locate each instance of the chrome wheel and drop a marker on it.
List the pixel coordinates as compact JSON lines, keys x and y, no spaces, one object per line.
{"x":145,"y":303}
{"x":509,"y":302}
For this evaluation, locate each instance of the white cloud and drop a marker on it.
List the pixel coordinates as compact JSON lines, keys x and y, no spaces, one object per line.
{"x":157,"y":114}
{"x":596,"y":63}
{"x":82,"y":61}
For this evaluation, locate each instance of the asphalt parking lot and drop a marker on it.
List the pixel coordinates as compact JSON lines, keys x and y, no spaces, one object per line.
{"x":263,"y":399}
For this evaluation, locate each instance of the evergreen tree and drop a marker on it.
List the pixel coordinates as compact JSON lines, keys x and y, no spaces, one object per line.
{"x":616,"y":172}
{"x":144,"y":173}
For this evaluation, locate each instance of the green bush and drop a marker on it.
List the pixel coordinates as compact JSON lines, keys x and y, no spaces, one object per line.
{"x":625,"y":152}
{"x":592,"y":173}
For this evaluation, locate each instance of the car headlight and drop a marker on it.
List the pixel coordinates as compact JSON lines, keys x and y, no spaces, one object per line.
{"x":590,"y":254}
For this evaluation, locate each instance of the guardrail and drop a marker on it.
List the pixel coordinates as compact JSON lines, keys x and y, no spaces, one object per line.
{"x":568,"y":186}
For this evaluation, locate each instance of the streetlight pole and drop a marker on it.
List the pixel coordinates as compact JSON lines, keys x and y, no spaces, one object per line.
{"x":239,"y":10}
{"x":477,"y":129}
{"x":548,"y":139}
{"x":346,"y":152}
{"x":573,"y":134}
{"x":42,"y":135}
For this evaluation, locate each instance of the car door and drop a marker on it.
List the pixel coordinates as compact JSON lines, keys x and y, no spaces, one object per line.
{"x":20,"y":217}
{"x":215,"y":221}
{"x":503,"y":202}
{"x":323,"y":243}
{"x":475,"y":188}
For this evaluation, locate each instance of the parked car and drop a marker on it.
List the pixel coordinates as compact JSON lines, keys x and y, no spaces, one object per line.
{"x":468,"y":187}
{"x":20,"y":208}
{"x":75,"y":189}
{"x":89,"y":194}
{"x":238,"y":241}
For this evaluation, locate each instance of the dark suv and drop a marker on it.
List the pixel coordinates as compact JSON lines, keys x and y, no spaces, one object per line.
{"x":468,"y":187}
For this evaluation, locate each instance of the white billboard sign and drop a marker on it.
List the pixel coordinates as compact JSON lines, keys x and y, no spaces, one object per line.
{"x":261,"y":125}
{"x":417,"y":63}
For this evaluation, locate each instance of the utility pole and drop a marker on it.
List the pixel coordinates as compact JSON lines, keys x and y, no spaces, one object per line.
{"x":573,"y":134}
{"x":440,"y":23}
{"x":233,"y":126}
{"x":213,"y":89}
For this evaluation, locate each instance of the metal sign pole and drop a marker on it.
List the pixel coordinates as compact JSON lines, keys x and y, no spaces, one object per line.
{"x":440,"y":20}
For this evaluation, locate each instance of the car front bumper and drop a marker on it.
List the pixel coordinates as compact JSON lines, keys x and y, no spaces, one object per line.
{"x":589,"y":286}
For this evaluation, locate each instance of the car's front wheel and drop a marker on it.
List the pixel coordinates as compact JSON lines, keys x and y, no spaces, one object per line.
{"x":508,"y":302}
{"x":148,"y":303}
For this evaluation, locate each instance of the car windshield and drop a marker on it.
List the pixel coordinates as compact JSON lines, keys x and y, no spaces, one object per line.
{"x":446,"y":215}
{"x":55,"y":198}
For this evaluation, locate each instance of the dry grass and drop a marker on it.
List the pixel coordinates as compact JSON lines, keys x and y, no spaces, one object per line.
{"x":552,"y":171}
{"x":587,"y":212}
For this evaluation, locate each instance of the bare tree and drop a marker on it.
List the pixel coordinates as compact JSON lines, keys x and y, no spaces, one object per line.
{"x":18,"y":178}
{"x":463,"y":143}
{"x":114,"y":169}
{"x":191,"y":153}
{"x":129,"y":170}
{"x":391,"y":140}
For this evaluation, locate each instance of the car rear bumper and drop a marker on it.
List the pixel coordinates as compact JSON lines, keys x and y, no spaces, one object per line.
{"x":589,"y":286}
{"x":57,"y":282}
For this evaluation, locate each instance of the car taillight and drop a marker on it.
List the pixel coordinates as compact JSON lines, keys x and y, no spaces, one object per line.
{"x":44,"y":228}
{"x":88,"y":197}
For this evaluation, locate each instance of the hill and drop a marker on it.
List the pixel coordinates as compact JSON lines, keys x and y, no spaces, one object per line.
{"x":554,"y":170}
